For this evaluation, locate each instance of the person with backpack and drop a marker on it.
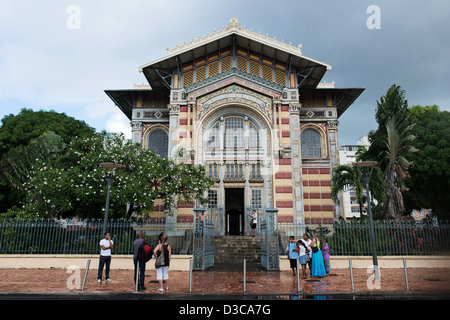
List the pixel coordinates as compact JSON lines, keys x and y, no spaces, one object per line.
{"x":142,"y":254}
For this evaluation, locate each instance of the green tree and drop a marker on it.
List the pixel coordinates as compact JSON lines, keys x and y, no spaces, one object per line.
{"x":74,"y":184}
{"x":399,"y":139}
{"x":347,"y":177}
{"x":394,"y":103}
{"x":19,"y":130}
{"x":391,"y":146}
{"x":16,"y":164}
{"x":429,"y":181}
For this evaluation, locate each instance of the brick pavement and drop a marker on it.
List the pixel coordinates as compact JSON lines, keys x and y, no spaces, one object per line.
{"x":215,"y":282}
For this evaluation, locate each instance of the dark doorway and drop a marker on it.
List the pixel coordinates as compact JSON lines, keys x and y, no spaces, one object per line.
{"x":234,"y":211}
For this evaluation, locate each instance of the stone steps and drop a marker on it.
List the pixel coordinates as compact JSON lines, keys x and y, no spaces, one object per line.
{"x":234,"y":249}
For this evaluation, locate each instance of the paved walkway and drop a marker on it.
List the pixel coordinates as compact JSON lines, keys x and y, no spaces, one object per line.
{"x":220,"y":282}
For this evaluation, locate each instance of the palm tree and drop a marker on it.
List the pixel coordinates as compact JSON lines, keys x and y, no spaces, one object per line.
{"x":398,"y":145}
{"x":347,"y":177}
{"x":361,"y":153}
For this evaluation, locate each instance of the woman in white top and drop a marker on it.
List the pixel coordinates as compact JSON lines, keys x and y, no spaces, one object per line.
{"x":307,"y":241}
{"x":303,"y":251}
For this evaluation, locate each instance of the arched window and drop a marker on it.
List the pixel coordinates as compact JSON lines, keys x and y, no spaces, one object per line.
{"x":234,"y":132}
{"x":158,"y":142}
{"x":214,"y":136}
{"x":253,"y":139}
{"x":311,"y":143}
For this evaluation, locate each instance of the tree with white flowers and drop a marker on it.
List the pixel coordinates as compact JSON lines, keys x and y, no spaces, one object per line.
{"x":74,"y":183}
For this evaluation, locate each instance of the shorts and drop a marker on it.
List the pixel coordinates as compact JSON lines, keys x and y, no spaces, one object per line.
{"x":254,"y":226}
{"x":302,"y":259}
{"x":293,"y":263}
{"x":162,"y":273}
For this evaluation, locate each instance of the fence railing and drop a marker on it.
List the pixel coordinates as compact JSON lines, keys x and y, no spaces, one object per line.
{"x":392,"y":238}
{"x":72,"y":236}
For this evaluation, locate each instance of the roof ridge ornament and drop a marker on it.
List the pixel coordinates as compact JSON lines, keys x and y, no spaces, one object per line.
{"x":233,"y":23}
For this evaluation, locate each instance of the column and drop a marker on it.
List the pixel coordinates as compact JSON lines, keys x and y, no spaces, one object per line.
{"x":296,"y":163}
{"x":332,"y":126}
{"x":174,"y":114}
{"x":136,"y":131}
{"x":221,"y":193}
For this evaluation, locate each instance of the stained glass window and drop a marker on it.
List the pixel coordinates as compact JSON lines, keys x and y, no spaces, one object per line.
{"x":311,"y":144}
{"x":158,"y":142}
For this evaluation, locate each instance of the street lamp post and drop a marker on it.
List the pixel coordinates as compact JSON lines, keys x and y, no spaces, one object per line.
{"x":109,"y":176}
{"x":366,"y":179}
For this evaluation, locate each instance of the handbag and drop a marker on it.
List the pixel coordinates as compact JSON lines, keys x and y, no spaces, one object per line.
{"x":159,"y":261}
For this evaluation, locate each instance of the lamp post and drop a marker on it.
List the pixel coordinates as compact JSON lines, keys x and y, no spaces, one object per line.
{"x":109,"y":176}
{"x":366,"y":179}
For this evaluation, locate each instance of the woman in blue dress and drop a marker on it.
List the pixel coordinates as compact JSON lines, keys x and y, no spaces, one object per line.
{"x":318,"y":267}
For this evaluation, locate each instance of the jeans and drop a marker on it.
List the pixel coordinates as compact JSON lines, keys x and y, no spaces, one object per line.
{"x":141,"y":272}
{"x":104,"y":260}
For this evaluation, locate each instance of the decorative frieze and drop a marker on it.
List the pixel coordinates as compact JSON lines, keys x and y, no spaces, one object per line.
{"x":234,"y":95}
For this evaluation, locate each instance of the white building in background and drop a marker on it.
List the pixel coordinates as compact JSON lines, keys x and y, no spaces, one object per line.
{"x":348,"y":204}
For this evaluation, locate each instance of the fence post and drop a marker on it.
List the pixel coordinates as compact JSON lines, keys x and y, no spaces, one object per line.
{"x":406,"y":274}
{"x":245,"y":275}
{"x":191,"y":264}
{"x":137,"y":275}
{"x":351,"y":273}
{"x":85,"y":274}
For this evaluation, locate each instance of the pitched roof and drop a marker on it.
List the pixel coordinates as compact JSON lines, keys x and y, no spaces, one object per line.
{"x":234,"y":34}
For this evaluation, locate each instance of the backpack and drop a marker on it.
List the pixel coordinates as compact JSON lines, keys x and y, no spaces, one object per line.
{"x":145,"y":252}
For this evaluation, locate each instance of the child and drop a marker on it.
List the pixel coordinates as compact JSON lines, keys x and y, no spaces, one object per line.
{"x":326,"y":256}
{"x":302,"y":253}
{"x":292,"y":254}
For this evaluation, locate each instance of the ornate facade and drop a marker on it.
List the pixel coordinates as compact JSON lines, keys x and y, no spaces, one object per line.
{"x":253,"y":111}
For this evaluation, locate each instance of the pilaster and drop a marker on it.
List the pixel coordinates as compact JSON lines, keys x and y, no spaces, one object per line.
{"x":296,"y":163}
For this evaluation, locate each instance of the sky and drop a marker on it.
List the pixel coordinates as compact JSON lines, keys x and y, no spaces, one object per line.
{"x":61,"y":55}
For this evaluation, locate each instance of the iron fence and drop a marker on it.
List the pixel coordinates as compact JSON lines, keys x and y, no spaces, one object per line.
{"x":393,"y":238}
{"x":73,"y":236}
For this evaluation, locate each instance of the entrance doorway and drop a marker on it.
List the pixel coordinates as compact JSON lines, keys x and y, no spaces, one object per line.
{"x":234,"y":211}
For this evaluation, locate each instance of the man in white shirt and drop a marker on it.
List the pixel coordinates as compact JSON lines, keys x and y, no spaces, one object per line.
{"x":105,"y":257}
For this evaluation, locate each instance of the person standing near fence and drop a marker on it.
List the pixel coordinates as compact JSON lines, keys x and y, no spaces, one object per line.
{"x":307,"y":241}
{"x":303,"y":252}
{"x":318,"y":268}
{"x":137,"y":244}
{"x":326,"y":256}
{"x":292,"y":254}
{"x":106,"y":245}
{"x":163,"y":255}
